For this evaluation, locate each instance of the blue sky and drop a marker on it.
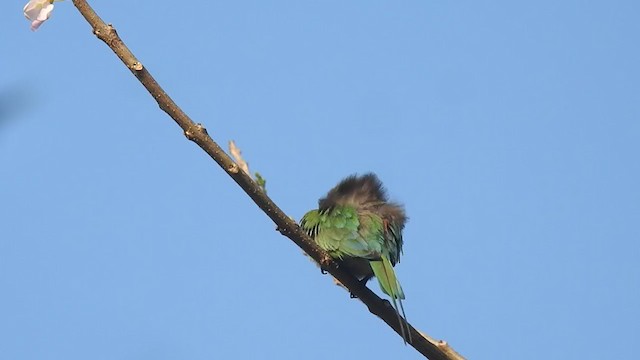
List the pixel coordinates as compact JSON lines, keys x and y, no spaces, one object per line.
{"x":509,"y":130}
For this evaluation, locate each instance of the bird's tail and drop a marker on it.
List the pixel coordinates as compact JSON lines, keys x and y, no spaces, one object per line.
{"x":383,"y":270}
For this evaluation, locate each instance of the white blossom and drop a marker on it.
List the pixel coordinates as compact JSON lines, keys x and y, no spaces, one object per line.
{"x":38,"y":11}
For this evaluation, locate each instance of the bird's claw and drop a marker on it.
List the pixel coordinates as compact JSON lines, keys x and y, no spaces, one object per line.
{"x":323,"y":271}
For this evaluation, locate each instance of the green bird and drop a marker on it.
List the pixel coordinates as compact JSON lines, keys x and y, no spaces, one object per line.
{"x":357,"y":225}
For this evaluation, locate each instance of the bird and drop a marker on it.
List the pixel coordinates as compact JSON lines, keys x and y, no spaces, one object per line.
{"x":357,"y":225}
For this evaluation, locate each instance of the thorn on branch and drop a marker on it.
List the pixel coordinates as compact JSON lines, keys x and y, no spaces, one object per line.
{"x":324,"y":262}
{"x":106,"y":33}
{"x":282,"y":231}
{"x":112,"y":30}
{"x":443,"y":346}
{"x":191,"y":132}
{"x":234,"y":169}
{"x":189,"y":135}
{"x":137,"y":66}
{"x":201,"y":129}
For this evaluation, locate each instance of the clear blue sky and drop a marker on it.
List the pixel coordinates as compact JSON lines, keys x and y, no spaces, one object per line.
{"x":511,"y":131}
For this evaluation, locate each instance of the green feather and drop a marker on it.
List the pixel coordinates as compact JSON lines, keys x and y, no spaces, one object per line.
{"x":383,"y":270}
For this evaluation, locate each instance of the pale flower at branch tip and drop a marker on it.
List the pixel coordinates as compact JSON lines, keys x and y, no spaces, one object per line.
{"x":38,"y":11}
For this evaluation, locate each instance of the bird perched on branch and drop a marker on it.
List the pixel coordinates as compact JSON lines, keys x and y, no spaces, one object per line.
{"x":358,"y":226}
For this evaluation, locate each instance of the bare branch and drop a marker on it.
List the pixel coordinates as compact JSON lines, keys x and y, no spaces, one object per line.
{"x":285,"y":225}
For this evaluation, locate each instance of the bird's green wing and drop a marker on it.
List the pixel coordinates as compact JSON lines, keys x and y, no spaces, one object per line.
{"x":340,"y":232}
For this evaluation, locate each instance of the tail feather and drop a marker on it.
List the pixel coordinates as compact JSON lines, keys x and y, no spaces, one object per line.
{"x":383,"y":270}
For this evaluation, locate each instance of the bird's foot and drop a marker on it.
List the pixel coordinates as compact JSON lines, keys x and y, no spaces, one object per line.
{"x":362,"y":282}
{"x":323,"y":271}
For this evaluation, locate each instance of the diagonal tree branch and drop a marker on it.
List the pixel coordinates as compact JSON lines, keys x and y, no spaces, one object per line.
{"x":431,"y":349}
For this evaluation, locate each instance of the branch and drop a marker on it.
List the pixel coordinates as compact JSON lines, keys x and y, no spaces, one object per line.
{"x":285,"y":225}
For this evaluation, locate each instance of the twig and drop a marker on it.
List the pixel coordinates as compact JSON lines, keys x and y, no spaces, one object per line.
{"x":286,"y":226}
{"x":236,"y":153}
{"x":237,"y":156}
